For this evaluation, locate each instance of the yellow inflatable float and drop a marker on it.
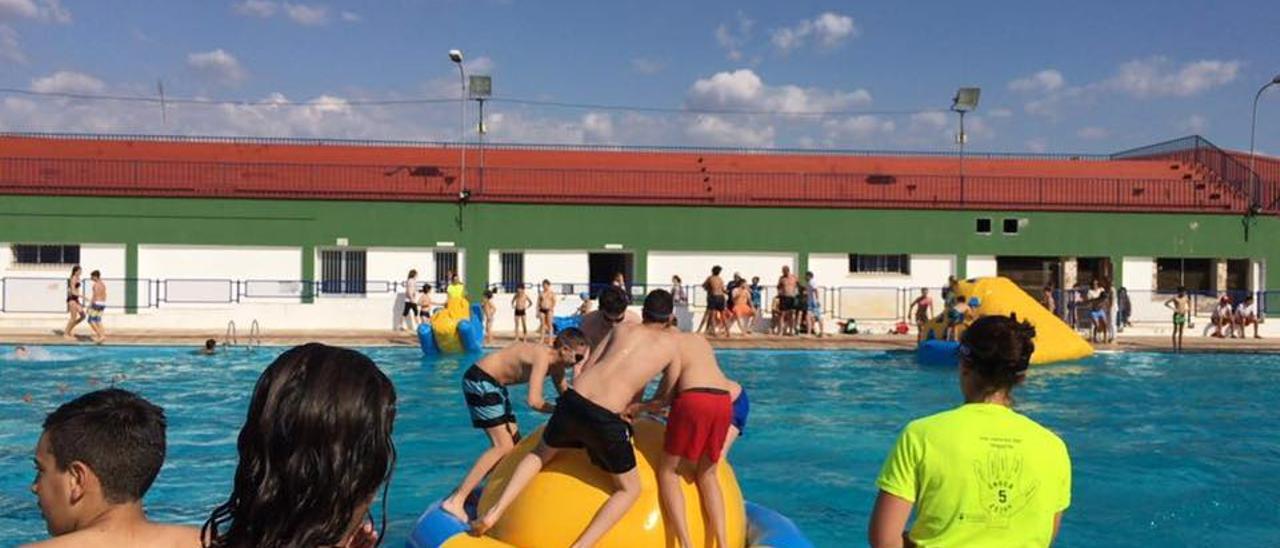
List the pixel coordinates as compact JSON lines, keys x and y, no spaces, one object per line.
{"x":459,"y":327}
{"x":1055,"y":340}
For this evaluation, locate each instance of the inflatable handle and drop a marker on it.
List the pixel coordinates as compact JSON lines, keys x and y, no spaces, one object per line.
{"x":434,"y":528}
{"x":427,"y":339}
{"x":560,"y":323}
{"x":768,"y":528}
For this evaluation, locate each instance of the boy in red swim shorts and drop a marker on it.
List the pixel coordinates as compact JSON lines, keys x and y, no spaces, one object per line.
{"x":699,"y":420}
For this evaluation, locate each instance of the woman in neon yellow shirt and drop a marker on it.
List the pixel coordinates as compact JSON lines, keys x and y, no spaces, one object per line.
{"x":980,"y":474}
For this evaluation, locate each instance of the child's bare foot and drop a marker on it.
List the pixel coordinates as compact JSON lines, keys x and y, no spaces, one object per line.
{"x":479,"y":527}
{"x":455,"y":509}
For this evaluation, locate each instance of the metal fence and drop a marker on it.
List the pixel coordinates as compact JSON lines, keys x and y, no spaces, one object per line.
{"x":48,"y":295}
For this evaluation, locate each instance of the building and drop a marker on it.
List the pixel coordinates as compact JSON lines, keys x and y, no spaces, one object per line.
{"x":309,"y":234}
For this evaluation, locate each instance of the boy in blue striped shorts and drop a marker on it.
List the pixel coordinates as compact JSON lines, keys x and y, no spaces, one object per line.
{"x":485,"y":387}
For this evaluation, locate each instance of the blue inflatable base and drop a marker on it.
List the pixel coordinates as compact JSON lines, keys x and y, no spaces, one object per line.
{"x":938,"y":353}
{"x":470,"y":334}
{"x":765,"y":527}
{"x":560,"y":323}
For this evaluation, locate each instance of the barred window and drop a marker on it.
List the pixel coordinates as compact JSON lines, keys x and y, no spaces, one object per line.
{"x":45,"y":254}
{"x":893,"y":264}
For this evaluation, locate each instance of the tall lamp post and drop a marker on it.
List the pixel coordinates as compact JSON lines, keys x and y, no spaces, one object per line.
{"x":455,"y":55}
{"x":481,"y":87}
{"x":1253,"y":128}
{"x":966,"y":99}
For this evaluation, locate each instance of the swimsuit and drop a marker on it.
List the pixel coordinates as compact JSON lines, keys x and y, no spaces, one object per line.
{"x":786,"y":302}
{"x":741,"y":309}
{"x":715,"y":302}
{"x":1098,"y":315}
{"x":698,"y":423}
{"x":922,"y":310}
{"x":487,"y":399}
{"x":1179,"y":318}
{"x":520,"y":312}
{"x":741,"y":408}
{"x":95,"y":312}
{"x":579,"y":423}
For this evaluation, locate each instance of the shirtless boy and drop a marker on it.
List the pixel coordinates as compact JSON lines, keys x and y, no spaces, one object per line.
{"x":485,"y":387}
{"x":97,"y":457}
{"x":597,"y":324}
{"x":697,"y":427}
{"x":1181,"y":306}
{"x":97,"y":304}
{"x":717,"y":304}
{"x":546,"y":307}
{"x":489,"y":311}
{"x":590,"y":416}
{"x":788,"y":301}
{"x":520,"y":304}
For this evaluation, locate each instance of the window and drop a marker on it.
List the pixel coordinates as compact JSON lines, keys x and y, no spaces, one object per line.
{"x":1010,"y":226}
{"x":1238,"y":274}
{"x":982,"y":226}
{"x":342,"y":271}
{"x":892,"y":264}
{"x":45,"y":254}
{"x":1194,"y":274}
{"x":446,"y":267}
{"x":512,"y":271}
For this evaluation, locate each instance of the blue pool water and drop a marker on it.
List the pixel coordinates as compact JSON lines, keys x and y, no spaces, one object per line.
{"x":1168,"y":450}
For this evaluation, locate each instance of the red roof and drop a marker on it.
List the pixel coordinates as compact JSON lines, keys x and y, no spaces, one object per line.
{"x":65,"y":165}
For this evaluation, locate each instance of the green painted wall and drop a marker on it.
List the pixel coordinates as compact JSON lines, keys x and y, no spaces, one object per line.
{"x":638,"y":228}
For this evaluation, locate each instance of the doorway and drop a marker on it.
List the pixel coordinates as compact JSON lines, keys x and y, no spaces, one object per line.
{"x":603,"y":266}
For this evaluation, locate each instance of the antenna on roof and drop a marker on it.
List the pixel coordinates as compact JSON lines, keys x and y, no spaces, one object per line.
{"x":164,"y":115}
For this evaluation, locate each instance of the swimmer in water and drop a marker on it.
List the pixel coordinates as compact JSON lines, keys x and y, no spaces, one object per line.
{"x":210,"y":347}
{"x":21,"y":353}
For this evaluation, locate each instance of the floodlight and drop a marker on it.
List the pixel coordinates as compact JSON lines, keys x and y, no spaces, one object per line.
{"x":966,"y":99}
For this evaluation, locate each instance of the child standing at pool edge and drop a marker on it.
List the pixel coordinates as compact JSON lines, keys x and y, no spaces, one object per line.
{"x":485,"y":387}
{"x":1181,"y":306}
{"x":980,"y":474}
{"x":520,"y":305}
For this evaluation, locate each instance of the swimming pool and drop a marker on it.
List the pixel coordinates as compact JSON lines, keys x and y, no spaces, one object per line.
{"x":1168,"y":450}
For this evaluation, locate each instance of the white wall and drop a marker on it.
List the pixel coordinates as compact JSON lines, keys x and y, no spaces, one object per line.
{"x":977,"y":266}
{"x":40,"y":288}
{"x":558,"y":266}
{"x":694,"y":266}
{"x":219,"y":262}
{"x":387,"y":264}
{"x":1139,"y":274}
{"x":874,"y":295}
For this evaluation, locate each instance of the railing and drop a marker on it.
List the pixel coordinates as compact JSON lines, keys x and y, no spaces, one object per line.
{"x":47,"y":295}
{"x":303,"y":141}
{"x":1234,"y":174}
{"x":43,"y":176}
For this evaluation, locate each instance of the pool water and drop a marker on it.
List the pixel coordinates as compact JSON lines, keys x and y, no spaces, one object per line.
{"x":1168,"y":450}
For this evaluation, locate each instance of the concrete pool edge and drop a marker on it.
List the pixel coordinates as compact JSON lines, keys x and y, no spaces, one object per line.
{"x":387,"y":338}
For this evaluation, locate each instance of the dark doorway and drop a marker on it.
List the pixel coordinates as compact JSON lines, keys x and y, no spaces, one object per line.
{"x":1031,"y":273}
{"x":603,"y":267}
{"x":1089,"y":269}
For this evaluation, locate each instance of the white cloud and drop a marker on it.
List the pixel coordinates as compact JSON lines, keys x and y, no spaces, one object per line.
{"x":256,"y":8}
{"x":65,"y":81}
{"x":647,"y":66}
{"x":310,"y":15}
{"x":1093,"y":133}
{"x":218,"y":65}
{"x":351,"y":17}
{"x":1045,"y":81}
{"x":597,"y":128}
{"x":1037,"y":145}
{"x":480,"y":65}
{"x":52,"y":10}
{"x":744,"y":90}
{"x":732,"y":38}
{"x":933,"y":120}
{"x":828,"y":29}
{"x":1195,"y":123}
{"x":718,"y":131}
{"x":1155,"y":77}
{"x":861,"y":129}
{"x":15,"y":9}
{"x":10,"y":48}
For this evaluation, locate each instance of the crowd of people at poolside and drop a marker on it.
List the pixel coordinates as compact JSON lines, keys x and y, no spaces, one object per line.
{"x":316,"y":448}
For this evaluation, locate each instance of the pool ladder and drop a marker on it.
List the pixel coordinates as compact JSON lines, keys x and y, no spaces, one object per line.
{"x":232,"y":338}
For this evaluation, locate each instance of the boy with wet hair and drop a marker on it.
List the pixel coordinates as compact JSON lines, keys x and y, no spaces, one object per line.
{"x":593,"y":415}
{"x":1181,"y":306}
{"x":485,"y":387}
{"x":597,"y":324}
{"x":95,"y":460}
{"x":520,"y":306}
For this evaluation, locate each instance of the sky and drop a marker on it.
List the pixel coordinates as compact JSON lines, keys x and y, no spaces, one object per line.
{"x":1082,"y":76}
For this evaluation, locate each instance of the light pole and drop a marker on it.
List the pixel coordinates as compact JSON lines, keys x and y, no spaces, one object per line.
{"x":1253,"y":128}
{"x":456,"y":56}
{"x":966,"y":99}
{"x":481,"y":87}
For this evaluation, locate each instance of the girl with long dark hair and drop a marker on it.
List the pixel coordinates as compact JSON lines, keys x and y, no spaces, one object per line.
{"x":315,"y":451}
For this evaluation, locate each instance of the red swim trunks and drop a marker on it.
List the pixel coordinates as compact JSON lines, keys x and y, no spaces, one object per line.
{"x":698,"y":423}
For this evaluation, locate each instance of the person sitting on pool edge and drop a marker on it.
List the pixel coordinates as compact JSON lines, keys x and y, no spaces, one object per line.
{"x":315,"y":450}
{"x":95,"y":460}
{"x":980,"y":474}
{"x":485,"y":387}
{"x":590,"y":416}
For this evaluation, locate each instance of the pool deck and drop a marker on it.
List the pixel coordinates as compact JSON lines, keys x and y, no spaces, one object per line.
{"x":770,"y":342}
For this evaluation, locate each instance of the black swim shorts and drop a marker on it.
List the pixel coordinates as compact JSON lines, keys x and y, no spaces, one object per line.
{"x":716,"y":302}
{"x":577,"y":423}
